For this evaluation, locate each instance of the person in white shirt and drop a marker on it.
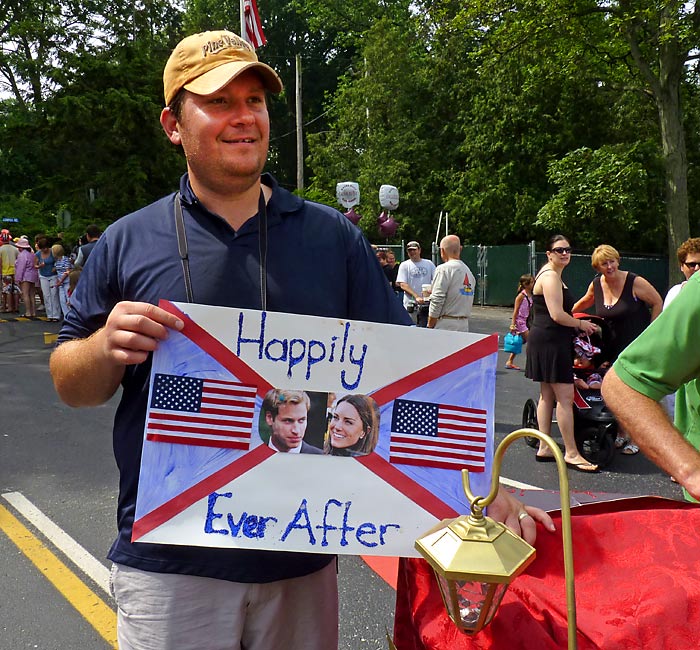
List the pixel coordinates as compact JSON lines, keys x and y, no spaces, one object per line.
{"x":413,"y":274}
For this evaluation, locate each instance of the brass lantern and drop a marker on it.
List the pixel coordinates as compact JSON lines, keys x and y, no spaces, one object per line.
{"x":475,"y":558}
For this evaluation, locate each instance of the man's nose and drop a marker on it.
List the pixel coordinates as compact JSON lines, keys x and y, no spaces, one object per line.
{"x":241,"y":113}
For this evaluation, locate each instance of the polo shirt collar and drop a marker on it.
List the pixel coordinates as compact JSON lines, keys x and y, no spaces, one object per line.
{"x":281,"y":202}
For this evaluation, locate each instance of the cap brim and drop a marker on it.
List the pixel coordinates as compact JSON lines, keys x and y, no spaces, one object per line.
{"x":218,"y":77}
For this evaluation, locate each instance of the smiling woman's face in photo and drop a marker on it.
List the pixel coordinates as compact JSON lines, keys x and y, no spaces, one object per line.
{"x":346,"y":428}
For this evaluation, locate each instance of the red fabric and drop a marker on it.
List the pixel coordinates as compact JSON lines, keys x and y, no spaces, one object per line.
{"x":637,"y":576}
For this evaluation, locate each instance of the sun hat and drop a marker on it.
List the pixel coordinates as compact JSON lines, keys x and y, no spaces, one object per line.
{"x":204,"y":63}
{"x":23,"y":242}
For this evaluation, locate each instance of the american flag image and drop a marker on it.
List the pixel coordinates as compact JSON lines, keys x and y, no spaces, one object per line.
{"x":204,"y":412}
{"x":253,"y":26}
{"x":438,"y":435}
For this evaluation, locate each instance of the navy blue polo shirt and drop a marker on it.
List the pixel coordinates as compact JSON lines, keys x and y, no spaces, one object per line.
{"x":318,"y":263}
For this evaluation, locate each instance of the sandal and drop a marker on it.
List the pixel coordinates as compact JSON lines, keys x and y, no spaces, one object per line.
{"x":585,"y":466}
{"x":620,"y":442}
{"x":512,"y":366}
{"x":630,"y":449}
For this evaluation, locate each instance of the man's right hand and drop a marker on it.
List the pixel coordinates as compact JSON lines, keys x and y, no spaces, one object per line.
{"x":133,"y":330}
{"x":87,"y":372}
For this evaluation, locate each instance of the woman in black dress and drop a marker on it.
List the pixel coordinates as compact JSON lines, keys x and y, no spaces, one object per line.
{"x":550,"y":352}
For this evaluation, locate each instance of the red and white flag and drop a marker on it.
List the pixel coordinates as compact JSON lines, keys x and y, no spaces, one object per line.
{"x":253,"y":26}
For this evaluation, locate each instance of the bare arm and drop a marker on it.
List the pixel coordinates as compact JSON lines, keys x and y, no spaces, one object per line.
{"x":87,"y":372}
{"x":516,"y":307}
{"x":585,"y":301}
{"x":643,"y":290}
{"x":404,"y":286}
{"x":648,"y":423}
{"x":551,"y":288}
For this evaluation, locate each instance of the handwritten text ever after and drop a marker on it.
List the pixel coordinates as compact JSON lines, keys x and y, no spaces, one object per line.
{"x":335,"y":527}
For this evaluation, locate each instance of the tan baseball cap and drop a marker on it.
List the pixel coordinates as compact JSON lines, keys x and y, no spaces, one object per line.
{"x":204,"y":63}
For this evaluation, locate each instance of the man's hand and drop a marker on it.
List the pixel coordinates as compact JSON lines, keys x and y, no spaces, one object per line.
{"x":508,"y":510}
{"x":133,"y":330}
{"x":87,"y":372}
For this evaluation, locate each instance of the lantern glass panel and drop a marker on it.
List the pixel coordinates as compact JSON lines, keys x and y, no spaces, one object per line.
{"x":496,"y":602}
{"x":471,"y":597}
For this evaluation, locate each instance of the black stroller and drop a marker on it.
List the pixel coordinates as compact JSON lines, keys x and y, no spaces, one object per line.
{"x":595,"y":428}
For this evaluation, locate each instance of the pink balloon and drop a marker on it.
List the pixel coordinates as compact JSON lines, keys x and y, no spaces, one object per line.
{"x":382,"y":218}
{"x":353,"y":216}
{"x":388,"y":227}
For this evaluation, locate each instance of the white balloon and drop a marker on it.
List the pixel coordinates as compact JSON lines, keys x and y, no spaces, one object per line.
{"x":348,"y":194}
{"x":389,"y":197}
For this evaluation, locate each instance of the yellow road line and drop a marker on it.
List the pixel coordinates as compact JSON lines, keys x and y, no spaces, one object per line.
{"x":49,"y":339}
{"x":90,"y":606}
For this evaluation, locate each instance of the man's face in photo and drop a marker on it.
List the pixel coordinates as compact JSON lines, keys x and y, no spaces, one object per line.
{"x":289,"y":426}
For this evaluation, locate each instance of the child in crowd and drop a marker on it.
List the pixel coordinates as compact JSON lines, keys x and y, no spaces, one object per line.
{"x":73,"y":278}
{"x":10,"y":293}
{"x":586,"y":375}
{"x":63,"y":266}
{"x":521,"y":310}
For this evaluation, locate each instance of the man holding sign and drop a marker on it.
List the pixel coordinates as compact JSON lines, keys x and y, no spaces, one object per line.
{"x":231,"y":236}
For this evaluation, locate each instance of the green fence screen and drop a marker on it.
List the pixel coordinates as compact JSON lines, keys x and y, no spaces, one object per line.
{"x":498,"y":268}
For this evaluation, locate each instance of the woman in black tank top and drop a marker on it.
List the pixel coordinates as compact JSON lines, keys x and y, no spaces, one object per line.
{"x":627,"y":302}
{"x":550,"y":352}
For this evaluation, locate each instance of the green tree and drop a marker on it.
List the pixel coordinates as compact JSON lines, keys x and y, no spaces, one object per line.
{"x":602,"y":194}
{"x":390,"y":124}
{"x":645,"y":45}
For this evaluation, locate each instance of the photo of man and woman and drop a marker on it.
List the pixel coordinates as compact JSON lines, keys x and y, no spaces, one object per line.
{"x":308,"y":422}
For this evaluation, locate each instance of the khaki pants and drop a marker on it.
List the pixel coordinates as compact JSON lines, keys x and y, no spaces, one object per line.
{"x":164,"y":611}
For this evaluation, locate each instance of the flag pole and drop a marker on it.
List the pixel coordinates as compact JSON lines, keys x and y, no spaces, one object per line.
{"x":242,"y":11}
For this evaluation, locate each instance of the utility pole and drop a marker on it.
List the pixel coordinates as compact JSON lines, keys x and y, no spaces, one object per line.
{"x":300,"y":128}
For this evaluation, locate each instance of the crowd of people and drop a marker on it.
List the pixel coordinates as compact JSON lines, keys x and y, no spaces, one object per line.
{"x":41,"y":276}
{"x":557,"y":328}
{"x":435,"y":297}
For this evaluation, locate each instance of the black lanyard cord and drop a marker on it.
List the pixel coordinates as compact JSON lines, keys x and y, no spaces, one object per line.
{"x":184,"y":256}
{"x":262,"y":249}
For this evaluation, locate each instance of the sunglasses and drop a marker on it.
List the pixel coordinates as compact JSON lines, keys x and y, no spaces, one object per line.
{"x":561,"y":250}
{"x":692,"y":265}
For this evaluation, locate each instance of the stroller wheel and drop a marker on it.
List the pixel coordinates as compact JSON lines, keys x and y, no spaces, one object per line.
{"x":530,"y":422}
{"x":599,"y":448}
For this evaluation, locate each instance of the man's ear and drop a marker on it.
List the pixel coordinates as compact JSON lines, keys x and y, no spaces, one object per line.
{"x":268,"y":418}
{"x":169,"y":123}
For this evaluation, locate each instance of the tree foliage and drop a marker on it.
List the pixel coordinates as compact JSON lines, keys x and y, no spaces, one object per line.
{"x":516,"y":118}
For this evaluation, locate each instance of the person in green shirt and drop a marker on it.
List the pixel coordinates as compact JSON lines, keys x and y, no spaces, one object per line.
{"x":663,"y":358}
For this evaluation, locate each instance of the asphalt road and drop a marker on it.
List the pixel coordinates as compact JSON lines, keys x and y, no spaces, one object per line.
{"x":60,"y":460}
